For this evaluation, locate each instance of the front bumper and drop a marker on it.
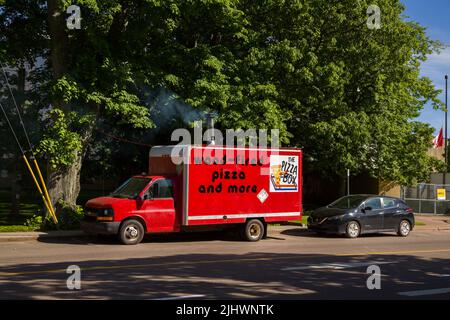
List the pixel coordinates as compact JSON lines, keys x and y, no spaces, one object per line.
{"x":93,"y":227}
{"x":328,"y":226}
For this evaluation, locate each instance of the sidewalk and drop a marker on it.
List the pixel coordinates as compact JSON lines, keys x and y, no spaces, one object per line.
{"x":26,"y":236}
{"x":433,"y":222}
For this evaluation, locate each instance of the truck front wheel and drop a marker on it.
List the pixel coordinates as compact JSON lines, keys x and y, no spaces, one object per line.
{"x":131,"y":232}
{"x":253,"y":230}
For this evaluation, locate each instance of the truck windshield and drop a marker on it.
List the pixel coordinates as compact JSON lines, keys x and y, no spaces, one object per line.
{"x":347,"y":202}
{"x":131,"y":188}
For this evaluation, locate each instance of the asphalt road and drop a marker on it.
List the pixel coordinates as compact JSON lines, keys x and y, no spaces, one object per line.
{"x":291,"y":264}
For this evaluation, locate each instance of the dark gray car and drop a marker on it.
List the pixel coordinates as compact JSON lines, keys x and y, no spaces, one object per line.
{"x":363,"y":213}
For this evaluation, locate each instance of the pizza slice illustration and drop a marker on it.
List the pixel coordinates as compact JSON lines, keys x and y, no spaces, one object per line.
{"x":276,"y":178}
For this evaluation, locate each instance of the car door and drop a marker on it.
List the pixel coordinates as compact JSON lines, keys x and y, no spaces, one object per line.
{"x":159,"y":207}
{"x":372,"y":216}
{"x":391,"y":213}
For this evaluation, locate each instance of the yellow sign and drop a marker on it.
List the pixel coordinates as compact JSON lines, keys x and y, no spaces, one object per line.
{"x":440,"y":194}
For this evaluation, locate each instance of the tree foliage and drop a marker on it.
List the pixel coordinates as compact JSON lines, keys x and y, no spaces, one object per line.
{"x":347,"y":94}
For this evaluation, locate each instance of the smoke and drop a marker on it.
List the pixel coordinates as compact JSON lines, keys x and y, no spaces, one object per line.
{"x":166,"y":110}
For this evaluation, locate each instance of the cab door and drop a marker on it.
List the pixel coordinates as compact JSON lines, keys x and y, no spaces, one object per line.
{"x":372,"y":215}
{"x":159,"y":207}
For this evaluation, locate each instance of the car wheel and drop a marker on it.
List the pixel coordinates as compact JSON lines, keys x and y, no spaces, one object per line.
{"x":404,"y":228}
{"x":253,"y":230}
{"x":131,"y":232}
{"x":353,"y":229}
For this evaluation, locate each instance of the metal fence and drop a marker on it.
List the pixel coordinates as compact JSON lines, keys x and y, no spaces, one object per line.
{"x":423,"y":198}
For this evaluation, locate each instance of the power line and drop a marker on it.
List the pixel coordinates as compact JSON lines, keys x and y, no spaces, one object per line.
{"x":122,"y":139}
{"x":43,"y":191}
{"x":12,"y":129}
{"x":17,"y":109}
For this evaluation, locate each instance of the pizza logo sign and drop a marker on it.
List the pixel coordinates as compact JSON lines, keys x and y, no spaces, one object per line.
{"x":283,"y":173}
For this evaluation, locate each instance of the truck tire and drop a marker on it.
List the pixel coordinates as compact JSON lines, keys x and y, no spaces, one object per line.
{"x":253,"y":230}
{"x":131,"y":232}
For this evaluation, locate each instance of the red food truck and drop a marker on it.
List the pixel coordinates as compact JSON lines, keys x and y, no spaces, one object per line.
{"x":193,"y":188}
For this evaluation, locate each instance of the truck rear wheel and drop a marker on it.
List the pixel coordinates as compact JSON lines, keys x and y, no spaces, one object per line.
{"x":253,"y":230}
{"x":131,"y":232}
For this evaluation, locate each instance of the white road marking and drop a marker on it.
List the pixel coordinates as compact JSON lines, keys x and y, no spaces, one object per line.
{"x":338,"y":266}
{"x":193,"y":296}
{"x":429,"y":292}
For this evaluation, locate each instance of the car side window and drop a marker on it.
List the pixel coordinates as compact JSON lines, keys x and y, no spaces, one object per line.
{"x":374,"y":203}
{"x":389,"y":203}
{"x":161,"y":189}
{"x":401,"y":204}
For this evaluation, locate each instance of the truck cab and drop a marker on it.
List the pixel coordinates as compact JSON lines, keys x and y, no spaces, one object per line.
{"x":142,"y":204}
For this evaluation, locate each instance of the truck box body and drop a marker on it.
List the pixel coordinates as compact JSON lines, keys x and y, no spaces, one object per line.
{"x":229,"y":185}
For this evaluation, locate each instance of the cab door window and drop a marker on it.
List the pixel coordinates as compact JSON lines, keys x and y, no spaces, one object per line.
{"x":161,"y":189}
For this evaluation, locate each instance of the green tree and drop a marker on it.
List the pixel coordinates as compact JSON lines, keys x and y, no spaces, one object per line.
{"x":80,"y":78}
{"x":353,"y":92}
{"x":311,"y":68}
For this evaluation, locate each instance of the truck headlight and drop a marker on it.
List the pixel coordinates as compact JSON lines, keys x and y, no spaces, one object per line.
{"x":105,"y":214}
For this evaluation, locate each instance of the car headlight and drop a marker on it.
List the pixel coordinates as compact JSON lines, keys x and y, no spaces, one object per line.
{"x":335,"y":218}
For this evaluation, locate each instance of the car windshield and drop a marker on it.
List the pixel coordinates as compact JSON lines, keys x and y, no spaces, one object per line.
{"x":347,"y":202}
{"x":131,"y":188}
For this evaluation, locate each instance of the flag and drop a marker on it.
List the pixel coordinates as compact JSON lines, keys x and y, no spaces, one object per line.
{"x":438,"y":141}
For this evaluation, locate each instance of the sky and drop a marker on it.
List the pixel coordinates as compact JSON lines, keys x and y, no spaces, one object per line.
{"x":435,"y":16}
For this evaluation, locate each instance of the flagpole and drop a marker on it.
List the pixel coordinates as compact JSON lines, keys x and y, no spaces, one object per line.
{"x":445,"y":139}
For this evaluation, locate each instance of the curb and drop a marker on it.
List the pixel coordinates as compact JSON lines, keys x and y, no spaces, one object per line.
{"x":432,"y":228}
{"x":26,"y":236}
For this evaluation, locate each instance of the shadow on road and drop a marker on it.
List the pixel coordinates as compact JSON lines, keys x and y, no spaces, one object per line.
{"x":302,"y":232}
{"x":226,"y":276}
{"x":227,"y":236}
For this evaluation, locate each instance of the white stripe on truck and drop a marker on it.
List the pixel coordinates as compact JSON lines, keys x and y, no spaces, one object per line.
{"x":247,"y":215}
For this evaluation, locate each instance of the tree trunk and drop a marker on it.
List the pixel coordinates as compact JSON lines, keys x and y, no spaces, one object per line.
{"x":58,"y":38}
{"x":64,"y":184}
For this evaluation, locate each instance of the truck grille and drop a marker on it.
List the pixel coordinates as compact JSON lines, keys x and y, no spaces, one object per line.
{"x":90,"y":214}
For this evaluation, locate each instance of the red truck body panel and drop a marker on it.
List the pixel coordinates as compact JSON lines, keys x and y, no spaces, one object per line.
{"x":244,"y":188}
{"x":222,"y":185}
